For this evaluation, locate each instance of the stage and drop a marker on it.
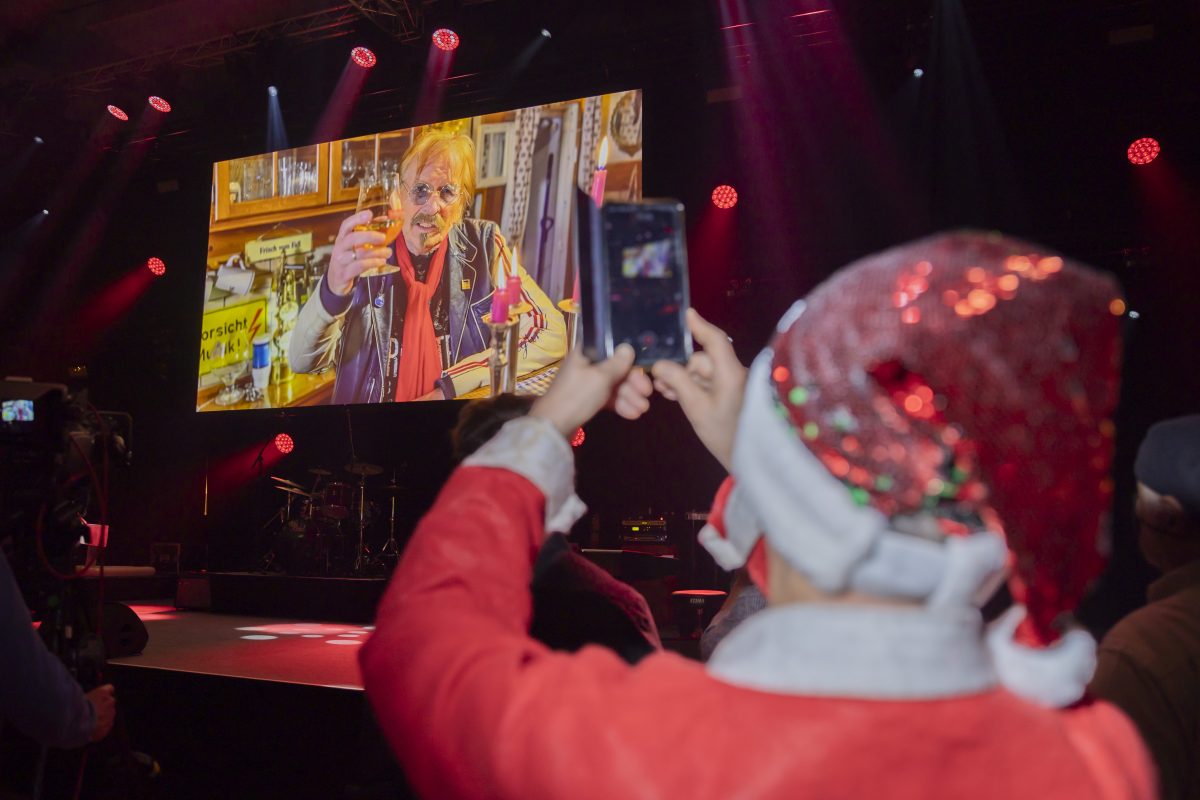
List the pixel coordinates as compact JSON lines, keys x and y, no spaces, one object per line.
{"x":320,"y":654}
{"x":251,"y":706}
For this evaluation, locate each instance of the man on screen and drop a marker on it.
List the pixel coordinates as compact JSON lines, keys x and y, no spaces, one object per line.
{"x":418,"y":334}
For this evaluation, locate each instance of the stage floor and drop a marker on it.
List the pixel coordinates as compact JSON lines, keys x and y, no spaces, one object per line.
{"x":255,"y":648}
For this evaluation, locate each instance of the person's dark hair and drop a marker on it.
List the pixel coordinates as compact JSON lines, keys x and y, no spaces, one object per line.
{"x":479,"y":421}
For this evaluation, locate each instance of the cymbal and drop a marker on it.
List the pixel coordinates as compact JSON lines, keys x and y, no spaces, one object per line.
{"x":319,"y":471}
{"x":363,"y":468}
{"x":286,"y":481}
{"x":290,"y":490}
{"x":392,"y":488}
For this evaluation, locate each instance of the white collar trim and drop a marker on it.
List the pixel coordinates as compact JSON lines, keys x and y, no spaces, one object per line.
{"x":867,"y":652}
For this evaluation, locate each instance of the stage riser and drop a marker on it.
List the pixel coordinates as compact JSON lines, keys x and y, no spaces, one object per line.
{"x":325,"y":599}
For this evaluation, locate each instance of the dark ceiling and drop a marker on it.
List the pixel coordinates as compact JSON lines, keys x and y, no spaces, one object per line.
{"x":1109,"y":67}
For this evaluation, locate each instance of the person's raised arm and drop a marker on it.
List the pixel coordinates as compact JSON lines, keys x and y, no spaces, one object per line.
{"x":354,"y":252}
{"x":451,"y":669}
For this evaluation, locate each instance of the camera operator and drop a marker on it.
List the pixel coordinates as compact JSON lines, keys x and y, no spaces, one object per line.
{"x":37,"y":694}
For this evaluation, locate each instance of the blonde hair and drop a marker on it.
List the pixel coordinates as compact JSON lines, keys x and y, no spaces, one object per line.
{"x":456,"y":148}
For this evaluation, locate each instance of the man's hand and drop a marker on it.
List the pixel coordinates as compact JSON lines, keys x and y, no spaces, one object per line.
{"x":104,"y":702}
{"x":354,"y":252}
{"x":709,"y":389}
{"x":581,"y":389}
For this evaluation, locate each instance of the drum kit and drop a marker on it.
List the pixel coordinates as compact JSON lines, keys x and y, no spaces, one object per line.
{"x":323,"y":530}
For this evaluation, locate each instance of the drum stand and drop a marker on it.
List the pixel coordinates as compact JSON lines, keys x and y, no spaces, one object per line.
{"x":362,"y":553}
{"x":391,"y":549}
{"x":270,"y":561}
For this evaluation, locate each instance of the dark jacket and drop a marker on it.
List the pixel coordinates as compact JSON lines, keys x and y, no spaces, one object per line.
{"x":372,"y":321}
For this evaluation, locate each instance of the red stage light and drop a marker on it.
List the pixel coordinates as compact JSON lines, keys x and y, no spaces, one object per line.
{"x":1143,"y":151}
{"x":363,"y":57}
{"x":118,"y":113}
{"x":158,"y":104}
{"x":578,"y":438}
{"x":724,"y":196}
{"x":445,"y":39}
{"x":284,"y":443}
{"x":156,"y":265}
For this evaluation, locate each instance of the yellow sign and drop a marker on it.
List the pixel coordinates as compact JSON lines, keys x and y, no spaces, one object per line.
{"x":234,"y":327}
{"x":263,"y":249}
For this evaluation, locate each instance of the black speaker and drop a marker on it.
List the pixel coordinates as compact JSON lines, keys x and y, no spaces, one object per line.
{"x":123,"y":633}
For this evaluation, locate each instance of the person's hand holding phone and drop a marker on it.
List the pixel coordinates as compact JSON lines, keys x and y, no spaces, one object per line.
{"x":709,"y":389}
{"x":355,"y":252}
{"x":581,"y":389}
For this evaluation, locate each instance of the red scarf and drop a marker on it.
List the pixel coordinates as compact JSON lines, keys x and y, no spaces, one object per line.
{"x":420,"y":358}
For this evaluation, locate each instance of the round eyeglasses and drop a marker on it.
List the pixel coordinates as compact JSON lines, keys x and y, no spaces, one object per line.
{"x":420,"y":193}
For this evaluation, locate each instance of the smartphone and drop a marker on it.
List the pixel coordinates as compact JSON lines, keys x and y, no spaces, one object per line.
{"x":634,"y":279}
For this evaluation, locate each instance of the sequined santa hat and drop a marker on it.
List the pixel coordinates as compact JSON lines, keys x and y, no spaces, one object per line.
{"x":928,"y":414}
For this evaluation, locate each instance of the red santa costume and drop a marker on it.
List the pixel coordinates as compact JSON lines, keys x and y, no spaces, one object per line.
{"x":922,"y":408}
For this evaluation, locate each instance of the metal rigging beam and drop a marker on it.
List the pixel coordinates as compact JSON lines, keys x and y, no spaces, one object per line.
{"x":399,"y":18}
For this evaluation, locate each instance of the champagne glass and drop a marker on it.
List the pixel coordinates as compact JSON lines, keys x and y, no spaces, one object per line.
{"x":379,"y":195}
{"x":234,"y":356}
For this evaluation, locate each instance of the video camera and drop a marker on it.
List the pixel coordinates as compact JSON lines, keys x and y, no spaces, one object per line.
{"x":53,"y":451}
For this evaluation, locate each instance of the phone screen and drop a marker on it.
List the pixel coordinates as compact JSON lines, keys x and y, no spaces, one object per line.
{"x":647,"y":278}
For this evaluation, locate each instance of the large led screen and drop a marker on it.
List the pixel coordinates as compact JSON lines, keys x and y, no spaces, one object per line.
{"x":366,"y":270}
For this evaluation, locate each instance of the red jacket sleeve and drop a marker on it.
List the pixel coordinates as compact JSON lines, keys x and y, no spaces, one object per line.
{"x":451,"y":665}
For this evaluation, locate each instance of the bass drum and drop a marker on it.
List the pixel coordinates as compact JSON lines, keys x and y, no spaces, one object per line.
{"x":302,"y":546}
{"x":337,"y":500}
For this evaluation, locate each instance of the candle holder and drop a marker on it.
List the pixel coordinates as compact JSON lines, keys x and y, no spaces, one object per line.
{"x":570,"y":309}
{"x":502,"y":354}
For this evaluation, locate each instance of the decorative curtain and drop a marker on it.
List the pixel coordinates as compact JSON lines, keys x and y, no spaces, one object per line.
{"x":517,"y":206}
{"x":589,"y":142}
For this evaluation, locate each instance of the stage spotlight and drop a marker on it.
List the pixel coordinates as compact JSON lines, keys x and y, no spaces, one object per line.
{"x":545,"y":33}
{"x":271,"y":90}
{"x":38,"y":140}
{"x":284,"y":443}
{"x":724,"y":196}
{"x":363,"y":57}
{"x":158,"y":104}
{"x":918,"y":72}
{"x":445,"y":39}
{"x":118,"y":113}
{"x":1143,"y":151}
{"x":578,"y":438}
{"x":45,"y":212}
{"x":156,"y":265}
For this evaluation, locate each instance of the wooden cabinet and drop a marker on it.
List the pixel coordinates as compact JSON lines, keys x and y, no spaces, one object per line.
{"x":283,"y":181}
{"x":392,"y":147}
{"x":353,"y":161}
{"x":290,"y":184}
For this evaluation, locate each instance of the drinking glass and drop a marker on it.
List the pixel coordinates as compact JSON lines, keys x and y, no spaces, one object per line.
{"x":234,"y":357}
{"x":379,"y":195}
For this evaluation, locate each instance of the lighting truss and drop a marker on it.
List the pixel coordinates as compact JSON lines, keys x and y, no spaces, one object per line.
{"x":400,"y":19}
{"x":326,"y":24}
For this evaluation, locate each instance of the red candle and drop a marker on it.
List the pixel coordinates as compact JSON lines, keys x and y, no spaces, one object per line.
{"x":601,"y":174}
{"x":499,"y":307}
